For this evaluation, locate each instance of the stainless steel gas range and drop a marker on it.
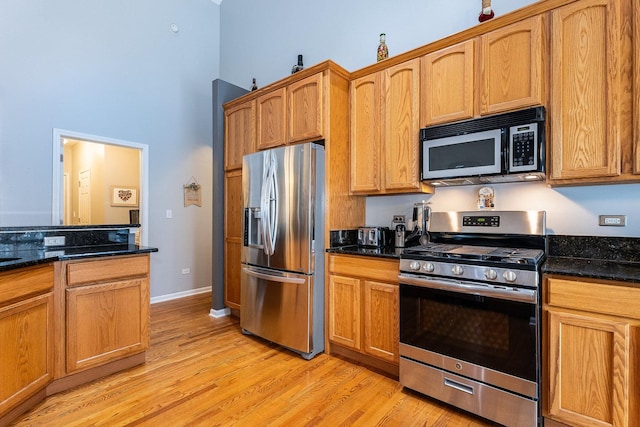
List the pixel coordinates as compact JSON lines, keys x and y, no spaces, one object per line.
{"x":470,"y":313}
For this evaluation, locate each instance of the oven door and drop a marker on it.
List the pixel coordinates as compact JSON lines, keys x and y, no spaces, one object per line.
{"x":472,"y":329}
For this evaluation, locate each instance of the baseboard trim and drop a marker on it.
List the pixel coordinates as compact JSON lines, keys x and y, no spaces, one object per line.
{"x":220,"y":313}
{"x":177,"y":295}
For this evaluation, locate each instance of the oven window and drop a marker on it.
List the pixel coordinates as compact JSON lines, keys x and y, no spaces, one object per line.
{"x":461,"y":156}
{"x":490,"y":332}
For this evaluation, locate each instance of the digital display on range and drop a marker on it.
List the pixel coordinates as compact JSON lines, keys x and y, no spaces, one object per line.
{"x":481,"y":221}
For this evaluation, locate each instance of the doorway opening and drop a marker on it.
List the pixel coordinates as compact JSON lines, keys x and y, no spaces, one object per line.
{"x":99,"y":181}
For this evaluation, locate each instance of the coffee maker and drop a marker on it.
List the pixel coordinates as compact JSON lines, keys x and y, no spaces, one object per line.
{"x":419,"y":235}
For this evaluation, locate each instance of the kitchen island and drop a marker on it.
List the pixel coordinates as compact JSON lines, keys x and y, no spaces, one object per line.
{"x":74,"y":306}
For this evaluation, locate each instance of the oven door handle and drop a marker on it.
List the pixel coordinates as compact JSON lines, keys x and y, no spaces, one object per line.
{"x":506,"y":293}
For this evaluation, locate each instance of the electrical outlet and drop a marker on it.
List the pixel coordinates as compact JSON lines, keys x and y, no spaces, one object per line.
{"x":54,"y":240}
{"x":186,"y":271}
{"x":612,"y":220}
{"x":399,"y":219}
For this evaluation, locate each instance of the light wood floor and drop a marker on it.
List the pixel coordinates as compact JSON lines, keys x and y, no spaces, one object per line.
{"x":202,"y":371}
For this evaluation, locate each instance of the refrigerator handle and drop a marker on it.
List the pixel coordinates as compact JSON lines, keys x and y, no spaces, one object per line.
{"x":273,"y":196}
{"x":281,"y":279}
{"x":264,"y":205}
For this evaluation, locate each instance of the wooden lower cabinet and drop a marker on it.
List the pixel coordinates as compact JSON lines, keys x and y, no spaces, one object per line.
{"x":363,"y":309}
{"x":66,"y":323}
{"x":106,"y":322}
{"x":591,"y":355}
{"x":26,"y":337}
{"x":107,"y":311}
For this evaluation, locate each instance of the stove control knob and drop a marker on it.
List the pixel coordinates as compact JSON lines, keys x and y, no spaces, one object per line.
{"x":429,"y":267}
{"x":490,"y":274}
{"x":414,"y":265}
{"x":509,"y":276}
{"x":457,"y":270}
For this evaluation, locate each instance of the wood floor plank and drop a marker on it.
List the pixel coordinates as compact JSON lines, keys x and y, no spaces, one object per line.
{"x":202,"y":371}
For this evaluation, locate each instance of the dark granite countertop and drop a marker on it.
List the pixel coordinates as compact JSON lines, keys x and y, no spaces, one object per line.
{"x":29,"y":257}
{"x":26,"y":246}
{"x":383,"y":252}
{"x":593,"y":269}
{"x":605,"y":258}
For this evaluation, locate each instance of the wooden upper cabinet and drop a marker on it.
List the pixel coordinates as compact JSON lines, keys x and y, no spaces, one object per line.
{"x":402,"y":127}
{"x":385,"y":131}
{"x":512,"y":66}
{"x":636,"y":89}
{"x":239,"y":133}
{"x":305,"y":109}
{"x":366,"y":134}
{"x":447,"y":84}
{"x":271,"y":117}
{"x":590,"y":92}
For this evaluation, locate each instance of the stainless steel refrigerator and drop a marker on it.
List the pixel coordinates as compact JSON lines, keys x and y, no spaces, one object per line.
{"x":282,"y":278}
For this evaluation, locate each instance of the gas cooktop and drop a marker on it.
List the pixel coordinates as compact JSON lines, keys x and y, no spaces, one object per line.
{"x":477,"y":253}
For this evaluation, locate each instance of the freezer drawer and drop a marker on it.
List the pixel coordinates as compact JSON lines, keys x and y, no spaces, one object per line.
{"x":278,"y":306}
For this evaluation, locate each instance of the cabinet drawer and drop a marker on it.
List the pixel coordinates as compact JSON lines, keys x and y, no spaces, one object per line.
{"x":106,"y":269}
{"x":22,"y":282}
{"x":371,"y":268}
{"x":598,"y":297}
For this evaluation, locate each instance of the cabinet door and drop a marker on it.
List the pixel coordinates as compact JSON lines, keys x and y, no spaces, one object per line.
{"x":239,"y":133}
{"x":344,"y":311}
{"x":305,"y":109}
{"x":381,"y":322}
{"x":271,"y":116}
{"x":589,"y":369}
{"x":402,"y":128}
{"x":447,"y":92}
{"x":636,"y":93}
{"x":366,"y":122}
{"x":232,"y":238}
{"x":586,"y":92}
{"x":512,"y":67}
{"x":26,"y":343}
{"x":106,"y":322}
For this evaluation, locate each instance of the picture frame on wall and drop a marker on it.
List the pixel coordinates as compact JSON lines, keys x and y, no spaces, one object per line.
{"x":124,"y":196}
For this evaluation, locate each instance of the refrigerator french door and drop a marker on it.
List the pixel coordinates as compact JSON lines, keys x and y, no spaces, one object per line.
{"x":282,"y":277}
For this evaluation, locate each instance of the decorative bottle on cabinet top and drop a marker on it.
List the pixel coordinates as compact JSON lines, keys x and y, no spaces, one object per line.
{"x":254,"y":86}
{"x":383,"y":51}
{"x":299,"y":66}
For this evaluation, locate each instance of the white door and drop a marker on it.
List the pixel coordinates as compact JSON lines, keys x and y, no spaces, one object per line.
{"x":84,"y":197}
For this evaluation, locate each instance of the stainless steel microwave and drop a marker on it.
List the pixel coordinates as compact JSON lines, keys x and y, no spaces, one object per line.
{"x":501,"y":148}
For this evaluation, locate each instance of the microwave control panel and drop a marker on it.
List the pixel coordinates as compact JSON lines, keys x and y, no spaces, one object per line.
{"x":523,"y":148}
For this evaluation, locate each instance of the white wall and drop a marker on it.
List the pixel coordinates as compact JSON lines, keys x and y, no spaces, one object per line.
{"x":262,"y":39}
{"x":570,"y":210}
{"x":113,"y":68}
